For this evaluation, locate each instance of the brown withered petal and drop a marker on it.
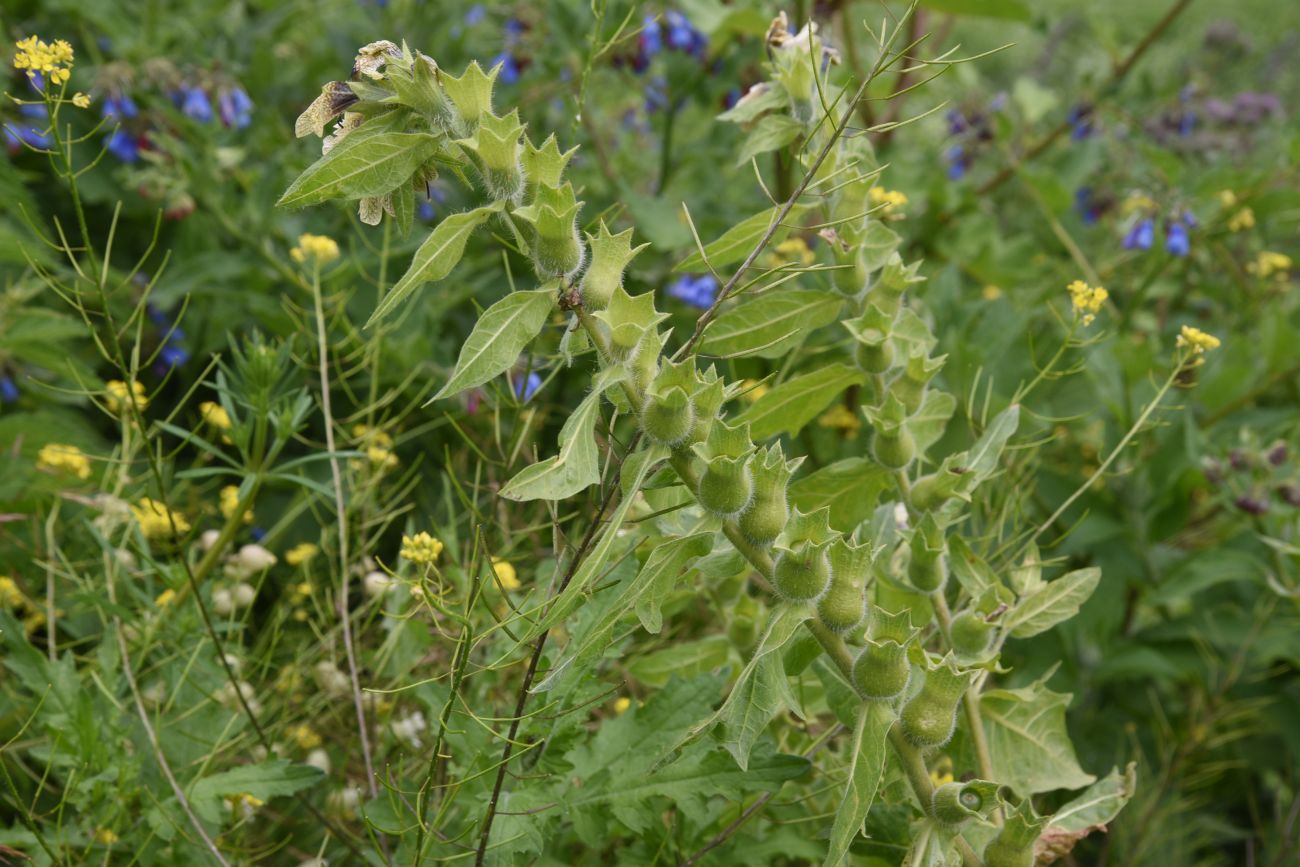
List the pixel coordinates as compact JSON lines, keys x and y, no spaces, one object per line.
{"x":334,"y":98}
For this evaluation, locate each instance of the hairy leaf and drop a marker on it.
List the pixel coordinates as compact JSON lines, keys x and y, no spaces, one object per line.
{"x":1052,"y":603}
{"x":500,"y":334}
{"x":264,"y":781}
{"x":850,"y":487}
{"x":361,"y":166}
{"x":795,"y":402}
{"x":866,"y":753}
{"x":767,"y":326}
{"x":738,"y":241}
{"x":1028,"y":742}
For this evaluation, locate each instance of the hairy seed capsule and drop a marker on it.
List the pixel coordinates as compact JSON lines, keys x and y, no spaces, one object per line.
{"x":726,"y":486}
{"x":802,"y":574}
{"x":1014,"y":844}
{"x":768,"y":512}
{"x":894,"y":450}
{"x":930,"y":717}
{"x":875,"y":359}
{"x":881,"y":671}
{"x":667,"y":418}
{"x":954,"y":803}
{"x":971,"y":634}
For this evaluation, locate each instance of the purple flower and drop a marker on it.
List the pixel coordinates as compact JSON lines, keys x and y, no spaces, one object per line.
{"x":526,"y":388}
{"x":957,"y":123}
{"x":1290,"y":493}
{"x":656,"y":94}
{"x":1177,"y":241}
{"x":1084,"y":206}
{"x":235,"y":107}
{"x":1187,"y":123}
{"x":958,"y":162}
{"x":195,"y":104}
{"x":1277,"y":453}
{"x":8,"y":390}
{"x":122,"y":145}
{"x":1081,"y":120}
{"x":1252,"y":505}
{"x":118,"y":107}
{"x":1141,"y":235}
{"x":696,"y":291}
{"x":514,"y":31}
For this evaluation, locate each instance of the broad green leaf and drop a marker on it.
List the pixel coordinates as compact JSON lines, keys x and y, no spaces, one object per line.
{"x":644,"y":594}
{"x":866,"y":767}
{"x":264,"y":781}
{"x":686,"y":659}
{"x":879,"y":242}
{"x":749,"y":107}
{"x":849,"y":487}
{"x":738,"y":241}
{"x":982,"y":459}
{"x":970,"y":570}
{"x":773,"y":132}
{"x":1052,"y":603}
{"x":1014,"y":10}
{"x":361,"y":166}
{"x":767,"y":326}
{"x":440,"y":253}
{"x":795,"y":402}
{"x":753,"y":703}
{"x":1028,"y":742}
{"x":1092,"y":810}
{"x":500,"y":334}
{"x":930,"y":420}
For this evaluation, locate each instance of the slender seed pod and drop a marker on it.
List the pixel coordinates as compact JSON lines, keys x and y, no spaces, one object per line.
{"x":845,"y":604}
{"x":930,"y":717}
{"x":927,"y":568}
{"x":802,"y":573}
{"x":882,"y":670}
{"x":769,"y":511}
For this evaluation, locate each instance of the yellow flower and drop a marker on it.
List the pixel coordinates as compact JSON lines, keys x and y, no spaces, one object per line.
{"x":215,"y":414}
{"x":621,"y":704}
{"x":156,"y":520}
{"x":887,"y":200}
{"x":842,"y":418}
{"x":1243,"y":219}
{"x":1197,"y":340}
{"x":36,"y":57}
{"x":245,"y":800}
{"x":505,"y":573}
{"x":10,"y":595}
{"x":381,"y":457}
{"x":1269,"y":264}
{"x":105,"y":836}
{"x":119,"y":399}
{"x":1227,"y":198}
{"x":753,"y":389}
{"x":230,"y":502}
{"x":421,"y":548}
{"x":991,"y":292}
{"x":1137,"y":202}
{"x":165,"y":598}
{"x":794,"y":249}
{"x":1086,"y":300}
{"x":305,"y":737}
{"x":60,"y":457}
{"x":301,"y":553}
{"x":299,"y":593}
{"x":315,"y":248}
{"x":80,"y":100}
{"x":366,"y":433}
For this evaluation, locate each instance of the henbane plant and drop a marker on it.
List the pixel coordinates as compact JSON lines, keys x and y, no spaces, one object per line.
{"x":864,"y":596}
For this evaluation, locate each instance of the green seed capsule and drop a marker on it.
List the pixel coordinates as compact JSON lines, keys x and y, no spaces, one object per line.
{"x":881,"y":671}
{"x":930,"y":717}
{"x":845,"y":605}
{"x":874,"y":359}
{"x":726,"y":486}
{"x":802,"y":574}
{"x":971,"y":634}
{"x":895,"y":450}
{"x":768,"y":512}
{"x":927,"y":568}
{"x":667,"y":418}
{"x":1014,"y":844}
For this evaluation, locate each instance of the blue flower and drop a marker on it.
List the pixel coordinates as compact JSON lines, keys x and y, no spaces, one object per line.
{"x":235,"y":107}
{"x":680,"y":33}
{"x":1177,"y":241}
{"x":656,"y":94}
{"x":1084,"y":206}
{"x":509,"y":68}
{"x":651,"y":37}
{"x":425,"y":210}
{"x":122,"y":145}
{"x":526,"y":388}
{"x":1081,"y":119}
{"x":514,"y":30}
{"x":8,"y":390}
{"x":34,"y":109}
{"x":1141,"y":235}
{"x":958,"y":162}
{"x":118,"y":107}
{"x":1187,"y":124}
{"x":475,"y":15}
{"x":16,"y":137}
{"x":195,"y":104}
{"x":172,"y":356}
{"x":696,"y":291}
{"x":957,"y":123}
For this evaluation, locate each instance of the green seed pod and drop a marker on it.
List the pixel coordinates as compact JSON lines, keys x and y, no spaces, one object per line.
{"x":1014,"y":844}
{"x":610,"y":255}
{"x":545,"y":165}
{"x":971,"y":634}
{"x":630,"y":326}
{"x":882,"y":670}
{"x":802,"y":574}
{"x":927,"y":568}
{"x":669,"y":414}
{"x":930,"y":717}
{"x":814,"y":526}
{"x":495,"y":148}
{"x":891,"y":442}
{"x":933,"y":490}
{"x":710,"y":394}
{"x":768,"y":512}
{"x":909,"y":387}
{"x":845,"y":604}
{"x":557,"y":249}
{"x":726,"y":485}
{"x":874,"y":352}
{"x":955,"y":803}
{"x":887,"y":292}
{"x":851,"y":276}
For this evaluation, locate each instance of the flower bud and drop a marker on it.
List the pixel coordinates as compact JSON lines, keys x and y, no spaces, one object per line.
{"x":927,"y":568}
{"x":874,"y":352}
{"x":726,"y":485}
{"x":1014,"y":844}
{"x":495,"y":147}
{"x":557,"y":249}
{"x":845,"y":603}
{"x":909,"y":387}
{"x":971,"y":634}
{"x":882,"y":669}
{"x":669,"y":414}
{"x":802,"y":573}
{"x":954,"y":803}
{"x":630,"y":321}
{"x":891,"y":441}
{"x":887,"y":292}
{"x":768,"y":512}
{"x":610,"y":255}
{"x":930,"y":717}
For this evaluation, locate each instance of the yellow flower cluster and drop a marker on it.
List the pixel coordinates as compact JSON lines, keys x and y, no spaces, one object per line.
{"x":37,"y":57}
{"x":315,"y":248}
{"x":156,"y":520}
{"x":1087,"y":300}
{"x":1243,"y":219}
{"x":69,"y":459}
{"x":118,"y":396}
{"x":1268,"y":264}
{"x":80,"y":100}
{"x":1197,"y":340}
{"x":378,"y":446}
{"x":305,"y":737}
{"x":1136,"y":202}
{"x":215,"y":414}
{"x":505,"y":573}
{"x":300,"y":553}
{"x":10,"y":595}
{"x":840,"y":417}
{"x":888,"y":200}
{"x":791,"y":250}
{"x":991,"y":292}
{"x":421,"y":548}
{"x":165,"y":598}
{"x":105,"y":836}
{"x":230,"y":502}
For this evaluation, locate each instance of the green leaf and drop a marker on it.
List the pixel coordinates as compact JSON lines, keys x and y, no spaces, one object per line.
{"x":866,"y":767}
{"x":982,"y":459}
{"x":752,"y":104}
{"x":667,"y":564}
{"x":795,"y":402}
{"x":1012,"y":10}
{"x":767,"y":326}
{"x":440,"y":253}
{"x":849,"y":487}
{"x":361,"y":166}
{"x":263,"y":781}
{"x":738,"y":241}
{"x":1052,"y":603}
{"x":686,"y":659}
{"x":930,"y":420}
{"x":500,"y":334}
{"x":1092,"y":810}
{"x":879,"y":242}
{"x":1028,"y":742}
{"x":773,"y":132}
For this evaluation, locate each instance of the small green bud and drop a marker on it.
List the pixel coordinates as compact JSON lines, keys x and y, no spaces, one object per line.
{"x":1014,"y":844}
{"x":495,"y":146}
{"x":710,"y":394}
{"x":895,"y":277}
{"x":610,"y":255}
{"x":471,"y":94}
{"x":971,"y":634}
{"x":874,"y":352}
{"x":556,"y":248}
{"x":629,"y":319}
{"x":850,"y":275}
{"x":768,"y":512}
{"x":891,"y":441}
{"x":955,"y":803}
{"x":882,"y":670}
{"x":802,"y":573}
{"x":668,"y":414}
{"x":413,"y":77}
{"x":927,"y":568}
{"x":726,"y":485}
{"x":930,"y":717}
{"x":845,"y":604}
{"x":909,"y":386}
{"x":545,"y":165}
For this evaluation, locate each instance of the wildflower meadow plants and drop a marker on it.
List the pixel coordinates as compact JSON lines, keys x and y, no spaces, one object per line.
{"x":523,"y":511}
